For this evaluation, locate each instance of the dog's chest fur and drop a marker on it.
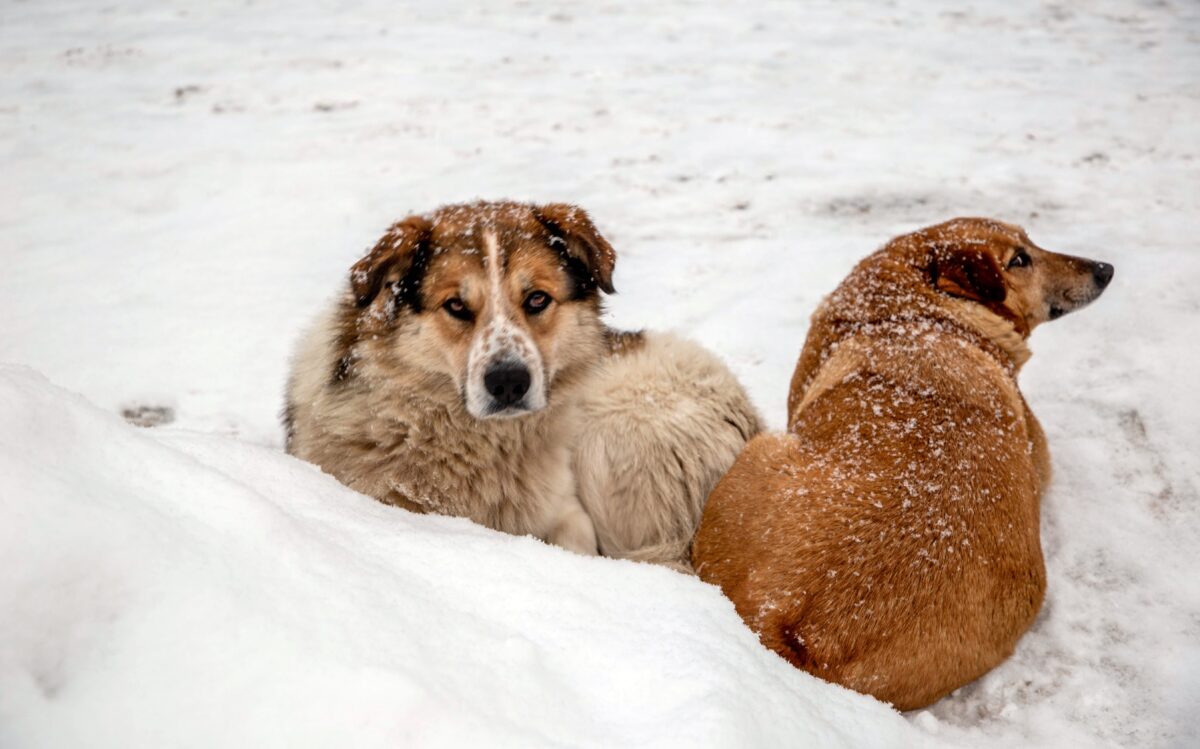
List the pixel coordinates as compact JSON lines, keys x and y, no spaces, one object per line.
{"x":399,"y":436}
{"x":425,"y":454}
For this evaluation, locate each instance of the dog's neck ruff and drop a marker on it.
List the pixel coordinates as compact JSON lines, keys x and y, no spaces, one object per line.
{"x":998,"y":335}
{"x":908,"y":328}
{"x":988,"y":345}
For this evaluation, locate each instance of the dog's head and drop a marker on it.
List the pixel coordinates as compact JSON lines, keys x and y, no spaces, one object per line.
{"x":996,"y":265}
{"x":500,"y":297}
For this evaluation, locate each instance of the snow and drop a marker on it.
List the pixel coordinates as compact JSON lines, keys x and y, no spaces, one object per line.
{"x":184,"y":589}
{"x":185,"y":184}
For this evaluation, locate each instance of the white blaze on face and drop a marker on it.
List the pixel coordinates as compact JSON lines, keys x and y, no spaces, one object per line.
{"x":500,"y":341}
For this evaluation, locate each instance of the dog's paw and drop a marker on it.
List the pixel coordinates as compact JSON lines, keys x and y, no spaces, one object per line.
{"x":576,"y":533}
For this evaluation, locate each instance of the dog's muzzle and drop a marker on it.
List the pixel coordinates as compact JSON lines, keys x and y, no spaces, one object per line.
{"x":507,"y":382}
{"x":1091,"y":280}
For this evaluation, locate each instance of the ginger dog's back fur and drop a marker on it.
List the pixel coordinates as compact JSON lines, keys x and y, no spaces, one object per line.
{"x":890,"y":541}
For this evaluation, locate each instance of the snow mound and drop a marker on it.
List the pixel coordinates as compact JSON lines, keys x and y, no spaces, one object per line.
{"x":168,"y":588}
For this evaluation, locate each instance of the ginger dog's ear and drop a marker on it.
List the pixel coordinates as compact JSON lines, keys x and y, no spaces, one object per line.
{"x":968,"y":272}
{"x":397,"y":258}
{"x":572,"y":230}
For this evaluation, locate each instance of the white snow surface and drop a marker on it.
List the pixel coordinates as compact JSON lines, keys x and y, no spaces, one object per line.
{"x":184,"y":184}
{"x":183,"y":589}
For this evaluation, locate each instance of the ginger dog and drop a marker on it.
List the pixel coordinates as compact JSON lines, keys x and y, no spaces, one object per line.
{"x":889,"y":541}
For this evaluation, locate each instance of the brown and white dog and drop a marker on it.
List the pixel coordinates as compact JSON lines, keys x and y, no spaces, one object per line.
{"x":889,"y":542}
{"x":465,"y":371}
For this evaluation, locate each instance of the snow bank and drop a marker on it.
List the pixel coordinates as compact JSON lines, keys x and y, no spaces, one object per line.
{"x":186,"y":590}
{"x":184,"y":183}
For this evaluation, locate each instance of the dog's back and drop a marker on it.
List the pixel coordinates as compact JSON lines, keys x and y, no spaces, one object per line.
{"x":903,"y":523}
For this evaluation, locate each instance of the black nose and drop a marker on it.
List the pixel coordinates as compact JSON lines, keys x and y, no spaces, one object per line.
{"x":1103,"y":273}
{"x":507,"y":383}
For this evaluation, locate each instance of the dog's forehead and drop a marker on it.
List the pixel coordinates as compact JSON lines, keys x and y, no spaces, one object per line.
{"x":466,"y":240}
{"x":474,"y":229}
{"x":997,"y":235}
{"x":472,"y":220}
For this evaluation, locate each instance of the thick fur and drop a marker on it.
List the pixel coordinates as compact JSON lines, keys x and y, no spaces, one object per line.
{"x":389,"y":390}
{"x":889,"y":542}
{"x":661,"y":425}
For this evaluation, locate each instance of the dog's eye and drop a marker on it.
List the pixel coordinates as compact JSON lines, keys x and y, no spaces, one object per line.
{"x":455,"y":308}
{"x":1020,"y":260}
{"x":536,"y":302}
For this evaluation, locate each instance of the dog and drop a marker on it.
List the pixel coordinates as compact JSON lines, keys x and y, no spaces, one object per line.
{"x":465,"y":370}
{"x":889,"y":542}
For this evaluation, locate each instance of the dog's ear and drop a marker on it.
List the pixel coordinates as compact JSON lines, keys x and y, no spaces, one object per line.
{"x":968,"y":272}
{"x":571,"y":226}
{"x":396,"y":255}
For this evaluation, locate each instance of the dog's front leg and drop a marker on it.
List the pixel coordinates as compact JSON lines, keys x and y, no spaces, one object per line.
{"x":571,"y":527}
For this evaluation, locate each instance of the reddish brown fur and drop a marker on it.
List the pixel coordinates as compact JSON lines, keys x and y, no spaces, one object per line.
{"x":889,"y":542}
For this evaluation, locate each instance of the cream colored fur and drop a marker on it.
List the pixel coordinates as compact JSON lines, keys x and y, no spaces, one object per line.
{"x":659,"y":426}
{"x":408,"y":440}
{"x":466,"y":361}
{"x":625,"y":457}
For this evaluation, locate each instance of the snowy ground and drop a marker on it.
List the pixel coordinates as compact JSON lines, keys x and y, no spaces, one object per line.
{"x":183,"y":184}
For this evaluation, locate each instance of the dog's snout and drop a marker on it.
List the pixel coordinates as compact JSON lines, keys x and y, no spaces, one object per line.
{"x":1102,"y":273}
{"x":507,"y":383}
